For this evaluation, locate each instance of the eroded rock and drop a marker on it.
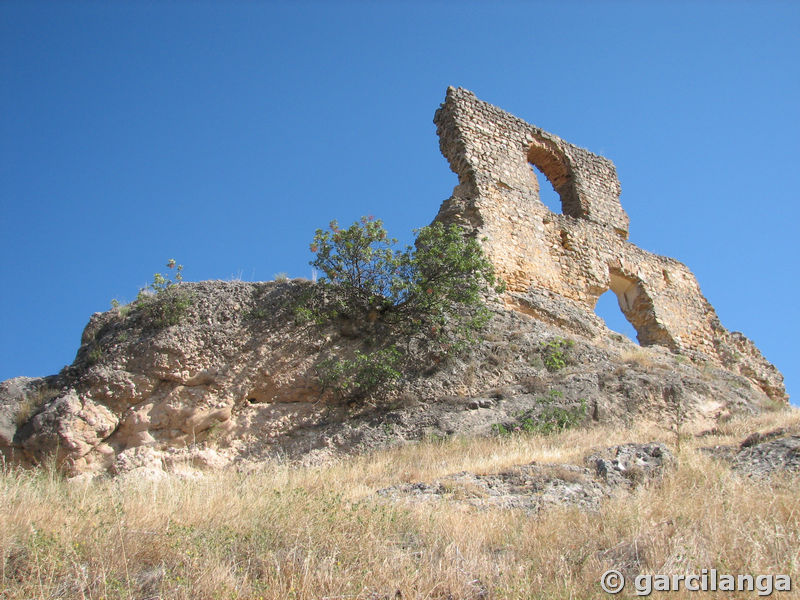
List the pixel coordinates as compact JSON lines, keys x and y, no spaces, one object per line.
{"x":535,"y":487}
{"x":761,"y":455}
{"x":68,"y":428}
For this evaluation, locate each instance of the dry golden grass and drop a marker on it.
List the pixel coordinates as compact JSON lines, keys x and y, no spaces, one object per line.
{"x":638,"y":356}
{"x":320,"y":532}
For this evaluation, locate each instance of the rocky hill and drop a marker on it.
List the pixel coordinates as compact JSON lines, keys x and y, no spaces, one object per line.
{"x":235,"y":380}
{"x":231,"y":374}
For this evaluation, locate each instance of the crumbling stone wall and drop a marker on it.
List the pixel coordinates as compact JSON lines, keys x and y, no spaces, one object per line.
{"x":560,"y":264}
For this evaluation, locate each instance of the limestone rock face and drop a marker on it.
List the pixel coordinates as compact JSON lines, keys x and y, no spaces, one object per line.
{"x":235,"y":382}
{"x":13,"y":394}
{"x":20,"y":399}
{"x":762,"y":455}
{"x":138,"y":384}
{"x":69,"y":426}
{"x":629,"y":464}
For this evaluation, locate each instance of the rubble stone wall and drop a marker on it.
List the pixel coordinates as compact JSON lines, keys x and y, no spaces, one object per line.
{"x":582,"y":252}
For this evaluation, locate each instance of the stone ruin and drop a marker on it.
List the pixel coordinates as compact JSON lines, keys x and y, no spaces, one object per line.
{"x":556,"y":266}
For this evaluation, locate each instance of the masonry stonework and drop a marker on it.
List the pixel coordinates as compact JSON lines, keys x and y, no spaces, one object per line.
{"x":556,"y":266}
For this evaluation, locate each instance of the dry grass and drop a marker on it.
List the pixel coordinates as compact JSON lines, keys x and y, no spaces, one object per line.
{"x":321,"y":532}
{"x":637,"y":356}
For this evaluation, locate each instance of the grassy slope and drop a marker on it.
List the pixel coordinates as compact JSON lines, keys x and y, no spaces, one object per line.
{"x":320,"y":532}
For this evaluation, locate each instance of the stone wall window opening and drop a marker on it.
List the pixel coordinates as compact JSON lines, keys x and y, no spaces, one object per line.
{"x":560,"y":196}
{"x":614,"y":305}
{"x":608,"y":309}
{"x":547,"y":193}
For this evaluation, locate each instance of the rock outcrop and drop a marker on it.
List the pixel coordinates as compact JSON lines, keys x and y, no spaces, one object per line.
{"x":535,"y":487}
{"x":235,"y":381}
{"x":232,"y":376}
{"x":761,"y":455}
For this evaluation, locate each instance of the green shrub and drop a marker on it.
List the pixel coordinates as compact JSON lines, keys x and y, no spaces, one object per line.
{"x":95,"y":355}
{"x":554,"y":419}
{"x":304,"y":314}
{"x":432,"y":291}
{"x":434,"y":284}
{"x":364,"y":373}
{"x":166,"y":308}
{"x":555,"y":353}
{"x":310,"y":307}
{"x":163,"y":302}
{"x":500,"y":429}
{"x":123,"y":310}
{"x":551,"y":419}
{"x":162,"y":283}
{"x":257,"y":314}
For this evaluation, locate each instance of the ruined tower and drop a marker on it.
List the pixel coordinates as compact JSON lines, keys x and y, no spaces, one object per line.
{"x":556,"y":266}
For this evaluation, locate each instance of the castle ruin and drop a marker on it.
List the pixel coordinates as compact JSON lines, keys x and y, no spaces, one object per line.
{"x":556,"y":266}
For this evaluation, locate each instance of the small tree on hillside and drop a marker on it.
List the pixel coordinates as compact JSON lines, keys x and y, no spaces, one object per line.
{"x":359,"y":265}
{"x":433,"y":289}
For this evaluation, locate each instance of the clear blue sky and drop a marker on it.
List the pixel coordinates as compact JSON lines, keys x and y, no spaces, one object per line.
{"x":223,"y":134}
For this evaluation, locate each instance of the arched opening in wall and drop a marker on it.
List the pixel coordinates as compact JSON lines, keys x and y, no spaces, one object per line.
{"x":637,"y":304}
{"x":558,"y":192}
{"x":608,"y":309}
{"x":547,"y":194}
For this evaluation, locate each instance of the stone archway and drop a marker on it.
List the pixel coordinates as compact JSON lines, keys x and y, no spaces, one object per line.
{"x":637,"y":305}
{"x":555,"y":167}
{"x":607,"y":308}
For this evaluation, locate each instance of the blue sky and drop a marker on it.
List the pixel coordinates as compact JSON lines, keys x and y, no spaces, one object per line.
{"x":223,"y":134}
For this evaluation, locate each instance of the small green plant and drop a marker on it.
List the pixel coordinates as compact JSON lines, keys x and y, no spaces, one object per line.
{"x":434,"y":438}
{"x":364,"y":373}
{"x":500,"y":429}
{"x":551,"y":419}
{"x":304,"y":315}
{"x":309,"y":307}
{"x":163,"y":302}
{"x":555,"y":419}
{"x":123,"y":310}
{"x":281,"y":277}
{"x":166,"y":308}
{"x":552,"y":395}
{"x":555,"y":353}
{"x":257,"y":314}
{"x":162,"y":283}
